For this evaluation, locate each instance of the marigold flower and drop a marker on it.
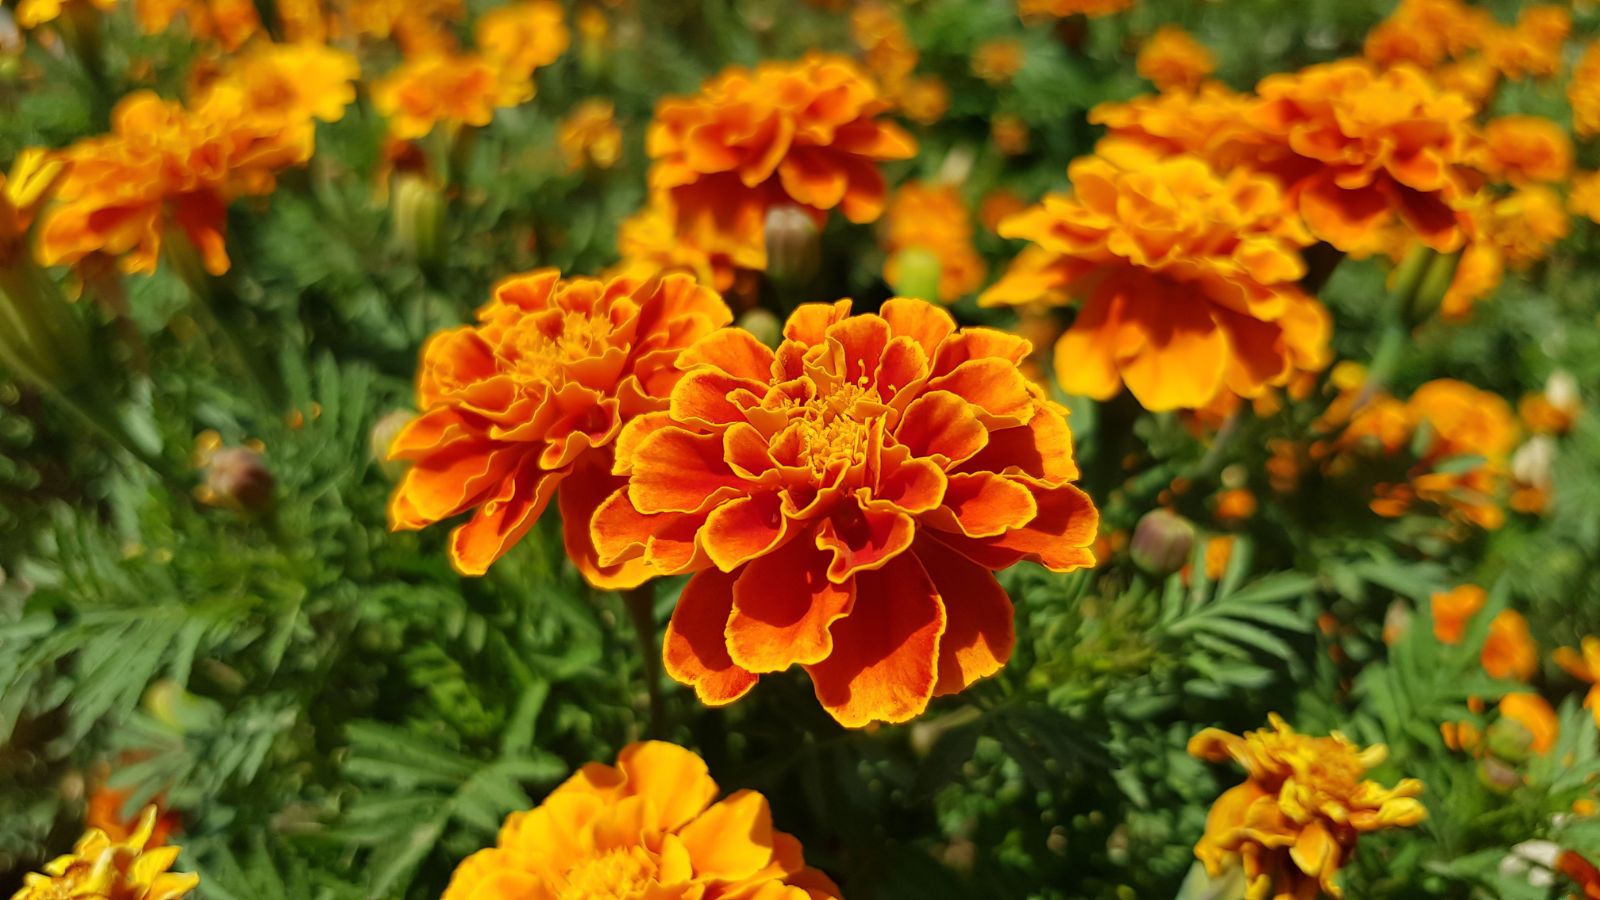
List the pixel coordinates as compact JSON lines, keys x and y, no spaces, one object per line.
{"x":297,"y":81}
{"x":418,"y":26}
{"x":1427,"y":32}
{"x":805,"y":133}
{"x":228,"y":22}
{"x":1010,"y":134}
{"x":1060,"y":9}
{"x":1358,"y":149}
{"x":842,"y":502}
{"x":100,"y":867}
{"x":535,"y":392}
{"x":1533,"y":48}
{"x":996,"y":61}
{"x":453,"y":89}
{"x":1583,"y":196}
{"x":24,"y":191}
{"x":1523,"y":149}
{"x":104,"y":813}
{"x":589,"y":135}
{"x":889,"y":53}
{"x":924,"y":100}
{"x":934,"y":218}
{"x":648,"y":242}
{"x":1525,"y":224}
{"x":1462,"y":422}
{"x":163,"y":168}
{"x":524,"y":36}
{"x":1213,"y":122}
{"x":1296,"y":822}
{"x":1473,"y":78}
{"x":646,"y":827}
{"x":1452,"y":610}
{"x":33,"y":13}
{"x":1187,"y":279}
{"x":1533,"y":713}
{"x":1172,"y":60}
{"x":1583,"y":92}
{"x":1584,"y":665}
{"x":1509,"y":651}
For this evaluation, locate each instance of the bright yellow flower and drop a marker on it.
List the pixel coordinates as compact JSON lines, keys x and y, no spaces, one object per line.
{"x":163,"y":168}
{"x":1296,"y":822}
{"x":298,"y":81}
{"x":934,"y":218}
{"x":1174,"y":61}
{"x":452,"y":89}
{"x":99,"y":868}
{"x":997,"y":60}
{"x":1533,"y":48}
{"x":1584,"y":665}
{"x":644,"y":828}
{"x":228,"y":22}
{"x":1583,"y":92}
{"x":33,"y":13}
{"x":522,"y":37}
{"x":589,"y":135}
{"x":23,"y":192}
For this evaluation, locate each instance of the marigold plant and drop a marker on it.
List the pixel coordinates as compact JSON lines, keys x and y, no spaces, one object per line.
{"x":843,"y":501}
{"x":1173,"y":60}
{"x":1298,"y":818}
{"x":537,"y":391}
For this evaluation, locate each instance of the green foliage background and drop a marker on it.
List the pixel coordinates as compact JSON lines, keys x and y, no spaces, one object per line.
{"x":339,"y":715}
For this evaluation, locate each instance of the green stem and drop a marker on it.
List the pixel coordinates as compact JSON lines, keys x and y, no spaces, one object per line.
{"x":641,"y":603}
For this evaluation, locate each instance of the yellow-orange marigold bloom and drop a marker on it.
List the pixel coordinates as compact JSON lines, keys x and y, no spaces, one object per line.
{"x":417,"y":26}
{"x":1187,"y":280}
{"x":645,"y":828}
{"x":453,"y":89}
{"x":535,"y":392}
{"x":164,"y":167}
{"x":589,"y":135}
{"x":1584,"y":665}
{"x":924,"y":99}
{"x":1172,"y":60}
{"x":806,"y":133}
{"x":1525,"y":224}
{"x":1060,"y":9}
{"x":1583,"y":195}
{"x":1296,"y":821}
{"x":228,"y":22}
{"x":1463,"y":422}
{"x":843,"y":501}
{"x":889,"y":53}
{"x":1524,"y":149}
{"x":1509,"y":651}
{"x":1473,"y":78}
{"x":33,"y":13}
{"x":997,"y":60}
{"x":297,"y":81}
{"x":100,"y":867}
{"x":24,"y":191}
{"x":1533,"y":48}
{"x":1427,"y":32}
{"x":1453,"y":609}
{"x":1583,"y":92}
{"x":1010,"y":134}
{"x":524,"y":36}
{"x":934,"y":218}
{"x":648,"y":242}
{"x":1213,"y":122}
{"x":1358,"y":149}
{"x":1533,"y":713}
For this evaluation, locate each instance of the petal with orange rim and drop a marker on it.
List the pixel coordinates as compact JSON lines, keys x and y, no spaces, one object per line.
{"x":809,"y":323}
{"x":984,"y":505}
{"x":862,"y":539}
{"x":675,"y":470}
{"x":1059,"y":537}
{"x":979,"y":633}
{"x":942,"y":426}
{"x":783,"y":605}
{"x":743,"y":529}
{"x":922,"y":322}
{"x":996,"y":387}
{"x":1041,"y":449}
{"x":884,"y":662}
{"x":501,"y":521}
{"x":579,"y":496}
{"x":733,"y":351}
{"x":695,"y":650}
{"x":448,"y":481}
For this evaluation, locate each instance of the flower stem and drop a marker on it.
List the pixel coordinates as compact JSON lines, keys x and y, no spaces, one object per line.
{"x":641,"y":603}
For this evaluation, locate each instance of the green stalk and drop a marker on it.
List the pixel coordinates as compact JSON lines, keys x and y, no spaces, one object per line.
{"x":641,"y":603}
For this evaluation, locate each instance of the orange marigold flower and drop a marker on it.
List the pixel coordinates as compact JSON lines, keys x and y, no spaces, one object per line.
{"x":1358,"y":149}
{"x":535,"y":392}
{"x":997,"y":60}
{"x":1523,"y":149}
{"x":1583,"y":197}
{"x":1427,"y":32}
{"x":105,"y":813}
{"x":228,"y":22}
{"x":1187,"y":279}
{"x":297,"y":81}
{"x":1525,"y":224}
{"x":418,"y":26}
{"x":164,"y":168}
{"x":924,"y":100}
{"x":1509,"y":651}
{"x":1235,"y":505}
{"x":649,"y":242}
{"x":806,"y":133}
{"x":1473,"y":78}
{"x":890,"y":54}
{"x":1298,"y":818}
{"x":1010,"y":134}
{"x":98,"y":866}
{"x":33,"y":13}
{"x":1584,"y":665}
{"x":646,"y":827}
{"x":1533,"y":713}
{"x":843,"y":501}
{"x":1452,"y":610}
{"x":1174,"y":61}
{"x":1060,"y":9}
{"x":1213,"y":122}
{"x":589,"y":135}
{"x":934,"y":218}
{"x":453,"y":89}
{"x":520,"y":37}
{"x":1463,"y":422}
{"x":1583,"y":92}
{"x":1533,"y":48}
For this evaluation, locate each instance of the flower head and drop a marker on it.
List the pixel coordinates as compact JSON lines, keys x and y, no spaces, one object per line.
{"x":1452,"y":610}
{"x":1428,"y":32}
{"x":129,"y":869}
{"x":889,"y":53}
{"x":646,"y":827}
{"x":535,"y":392}
{"x":1531,"y":49}
{"x":1187,"y":279}
{"x":997,"y":60}
{"x":1172,"y":60}
{"x":934,"y":218}
{"x":1583,"y":92}
{"x":589,"y":135}
{"x":297,"y":81}
{"x":842,"y":502}
{"x":228,"y":22}
{"x":806,"y":133}
{"x":1525,"y":149}
{"x":649,"y":242}
{"x":1583,"y":197}
{"x":448,"y":88}
{"x":524,"y":36}
{"x":1509,"y":651}
{"x":165,"y":167}
{"x":1584,"y":665}
{"x":1296,"y":822}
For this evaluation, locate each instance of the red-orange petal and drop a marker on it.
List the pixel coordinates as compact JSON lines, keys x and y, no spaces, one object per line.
{"x":694,"y":650}
{"x":783,"y":605}
{"x":979,"y":632}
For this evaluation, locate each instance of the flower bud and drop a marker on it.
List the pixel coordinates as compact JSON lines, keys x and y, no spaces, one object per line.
{"x":418,"y":210}
{"x":238,"y":478}
{"x":1162,"y":542}
{"x":916,"y":273}
{"x":167,"y":702}
{"x":1509,"y":740}
{"x":383,"y":433}
{"x":763,"y":325}
{"x":1497,"y":776}
{"x":794,"y":246}
{"x":1430,"y":291}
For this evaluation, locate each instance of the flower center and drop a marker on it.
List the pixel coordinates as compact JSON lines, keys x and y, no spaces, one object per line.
{"x":610,"y":876}
{"x":836,"y":429}
{"x":545,"y":349}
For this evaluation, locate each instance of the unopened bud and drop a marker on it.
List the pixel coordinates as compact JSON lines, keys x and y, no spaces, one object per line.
{"x":383,"y":433}
{"x":167,"y":702}
{"x":794,"y":246}
{"x":1162,"y":542}
{"x":1435,"y":284}
{"x":237,"y":477}
{"x":418,"y":210}
{"x":763,"y":325}
{"x":915,"y":272}
{"x":1509,"y":740}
